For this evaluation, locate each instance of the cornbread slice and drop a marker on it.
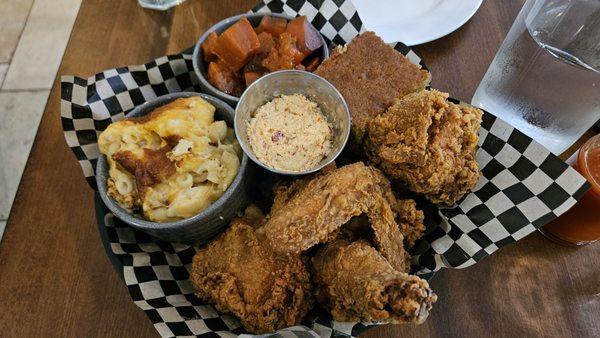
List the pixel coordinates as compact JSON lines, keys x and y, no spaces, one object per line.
{"x":370,"y":75}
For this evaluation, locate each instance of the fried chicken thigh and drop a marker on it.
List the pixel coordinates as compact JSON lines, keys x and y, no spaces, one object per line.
{"x":240,"y":274}
{"x":429,"y":144}
{"x":312,"y":212}
{"x":356,"y":283}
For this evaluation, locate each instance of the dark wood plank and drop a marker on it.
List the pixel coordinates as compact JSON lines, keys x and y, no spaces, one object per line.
{"x":56,"y":280}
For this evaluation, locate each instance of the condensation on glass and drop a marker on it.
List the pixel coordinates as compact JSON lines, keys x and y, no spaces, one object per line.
{"x":545,"y":78}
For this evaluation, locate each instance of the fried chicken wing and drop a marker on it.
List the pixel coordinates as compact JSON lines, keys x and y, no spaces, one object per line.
{"x":240,"y":274}
{"x":312,"y":212}
{"x":428,"y":143}
{"x":409,"y":219}
{"x":356,"y":283}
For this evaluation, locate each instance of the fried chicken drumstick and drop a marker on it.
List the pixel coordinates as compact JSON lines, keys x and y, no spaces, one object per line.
{"x":356,"y":283}
{"x":429,"y":144}
{"x":238,"y":273}
{"x":312,"y":212}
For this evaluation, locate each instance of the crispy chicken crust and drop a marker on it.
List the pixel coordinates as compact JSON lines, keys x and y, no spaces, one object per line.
{"x":356,"y":283}
{"x":238,"y":273}
{"x":429,"y":144}
{"x":312,"y":212}
{"x":410,"y":219}
{"x":258,"y":271}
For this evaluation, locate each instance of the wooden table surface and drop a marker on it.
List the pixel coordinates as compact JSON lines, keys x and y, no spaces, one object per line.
{"x":55,"y":279}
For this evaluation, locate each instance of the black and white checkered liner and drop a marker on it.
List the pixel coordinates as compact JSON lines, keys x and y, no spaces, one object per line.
{"x":523,"y":186}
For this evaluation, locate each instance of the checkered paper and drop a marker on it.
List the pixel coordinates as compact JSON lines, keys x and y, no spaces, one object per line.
{"x":523,"y":186}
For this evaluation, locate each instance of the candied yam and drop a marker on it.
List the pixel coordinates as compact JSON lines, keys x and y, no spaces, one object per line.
{"x":312,"y":63}
{"x":276,"y":61}
{"x":217,"y":76}
{"x":237,"y":44}
{"x":255,"y":64}
{"x":307,"y":37}
{"x":288,"y":47}
{"x":208,"y":47}
{"x":251,"y":77}
{"x":267,"y":42}
{"x":272,"y":25}
{"x":285,"y":55}
{"x":224,"y":79}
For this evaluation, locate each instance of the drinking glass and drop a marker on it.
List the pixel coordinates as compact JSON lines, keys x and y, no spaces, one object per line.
{"x":159,"y":4}
{"x":545,"y":78}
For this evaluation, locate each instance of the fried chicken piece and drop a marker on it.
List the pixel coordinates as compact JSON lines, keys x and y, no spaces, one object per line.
{"x":356,"y":283}
{"x":240,"y":274}
{"x":312,"y":212}
{"x":253,"y":216}
{"x":429,"y":144}
{"x":283,"y":192}
{"x":410,"y":219}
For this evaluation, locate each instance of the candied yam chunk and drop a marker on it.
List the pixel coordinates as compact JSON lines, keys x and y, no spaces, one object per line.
{"x":237,"y":44}
{"x":255,"y":64}
{"x":224,"y":79}
{"x":271,"y":25}
{"x":267,"y":42}
{"x":288,"y":48}
{"x":285,"y":55}
{"x":307,"y":36}
{"x":276,"y":61}
{"x":250,"y":77}
{"x":312,"y":63}
{"x":208,"y":47}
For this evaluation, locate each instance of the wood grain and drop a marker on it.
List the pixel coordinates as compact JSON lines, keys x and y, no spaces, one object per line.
{"x":56,"y":281}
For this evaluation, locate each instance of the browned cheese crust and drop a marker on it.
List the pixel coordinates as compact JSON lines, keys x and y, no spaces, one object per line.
{"x":370,"y":75}
{"x":428,"y":143}
{"x":152,"y":168}
{"x":356,"y":283}
{"x":238,"y":273}
{"x":177,"y":104}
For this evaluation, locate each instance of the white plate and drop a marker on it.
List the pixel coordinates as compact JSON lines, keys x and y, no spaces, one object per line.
{"x":413,"y":22}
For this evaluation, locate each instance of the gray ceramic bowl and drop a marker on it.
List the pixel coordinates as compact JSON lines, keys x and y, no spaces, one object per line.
{"x":208,"y":223}
{"x":200,"y":65}
{"x":289,"y":82}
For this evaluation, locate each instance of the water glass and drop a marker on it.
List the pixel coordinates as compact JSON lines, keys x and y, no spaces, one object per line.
{"x":159,"y":4}
{"x":545,"y":78}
